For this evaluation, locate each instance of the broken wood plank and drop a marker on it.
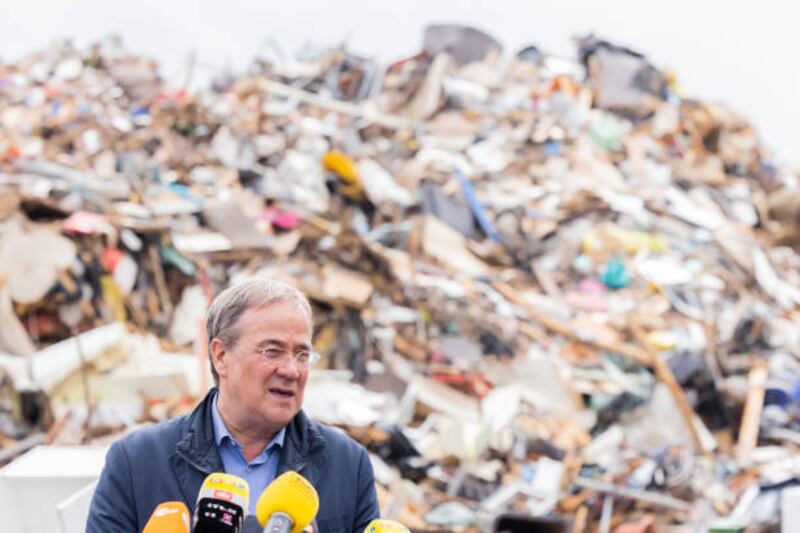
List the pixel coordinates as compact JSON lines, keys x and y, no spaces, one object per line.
{"x":409,"y":350}
{"x":579,"y":522}
{"x":751,"y":418}
{"x":653,"y":498}
{"x":545,"y":280}
{"x":369,"y":113}
{"x":665,"y":375}
{"x":21,"y":446}
{"x":567,"y":330}
{"x":160,"y":281}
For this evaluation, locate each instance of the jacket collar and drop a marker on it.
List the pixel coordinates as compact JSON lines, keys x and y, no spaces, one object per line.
{"x":197,"y":446}
{"x":303,"y":441}
{"x":196,"y":453}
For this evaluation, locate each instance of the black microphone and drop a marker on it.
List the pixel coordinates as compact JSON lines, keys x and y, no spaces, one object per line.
{"x":221,"y":504}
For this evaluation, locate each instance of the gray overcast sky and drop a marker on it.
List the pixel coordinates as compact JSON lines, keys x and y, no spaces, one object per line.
{"x":743,"y":53}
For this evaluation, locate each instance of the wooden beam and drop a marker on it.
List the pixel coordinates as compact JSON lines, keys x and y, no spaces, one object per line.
{"x":569,"y":331}
{"x":753,"y":407}
{"x":665,"y":375}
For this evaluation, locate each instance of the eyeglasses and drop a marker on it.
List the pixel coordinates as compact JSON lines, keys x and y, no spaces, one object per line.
{"x":305,"y":358}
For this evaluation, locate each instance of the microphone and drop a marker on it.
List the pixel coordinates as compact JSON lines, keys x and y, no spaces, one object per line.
{"x":380,"y":525}
{"x":287,"y":505}
{"x":221,"y":504}
{"x":169,"y":517}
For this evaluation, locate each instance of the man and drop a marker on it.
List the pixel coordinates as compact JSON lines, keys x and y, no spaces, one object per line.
{"x":250,"y":425}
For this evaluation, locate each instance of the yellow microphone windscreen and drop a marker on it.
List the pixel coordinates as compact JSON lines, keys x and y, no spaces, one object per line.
{"x":291,"y":494}
{"x":169,"y":517}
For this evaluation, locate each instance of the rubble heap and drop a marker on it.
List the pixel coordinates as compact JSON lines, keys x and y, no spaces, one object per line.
{"x":546,"y":287}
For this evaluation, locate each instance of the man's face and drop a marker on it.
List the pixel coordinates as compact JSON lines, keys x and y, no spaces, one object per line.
{"x":265,"y":392}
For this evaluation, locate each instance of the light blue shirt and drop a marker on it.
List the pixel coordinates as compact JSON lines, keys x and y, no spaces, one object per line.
{"x":261,"y":471}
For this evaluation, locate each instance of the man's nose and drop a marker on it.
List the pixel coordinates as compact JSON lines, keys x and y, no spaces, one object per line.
{"x":290,"y":367}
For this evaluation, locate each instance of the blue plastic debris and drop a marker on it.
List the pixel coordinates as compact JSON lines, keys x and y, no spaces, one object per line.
{"x":475,"y":205}
{"x":615,"y":275}
{"x":173,"y":257}
{"x":552,"y":148}
{"x":183,"y":191}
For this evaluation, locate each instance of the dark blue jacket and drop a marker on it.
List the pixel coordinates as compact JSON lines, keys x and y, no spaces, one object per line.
{"x":170,"y":460}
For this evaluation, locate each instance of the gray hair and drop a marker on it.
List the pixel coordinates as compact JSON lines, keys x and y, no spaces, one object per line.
{"x":230,"y":304}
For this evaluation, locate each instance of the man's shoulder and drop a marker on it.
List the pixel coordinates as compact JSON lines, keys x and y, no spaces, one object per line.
{"x":334,"y":438}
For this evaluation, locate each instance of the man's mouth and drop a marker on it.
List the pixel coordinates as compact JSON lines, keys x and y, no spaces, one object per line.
{"x":282,"y":392}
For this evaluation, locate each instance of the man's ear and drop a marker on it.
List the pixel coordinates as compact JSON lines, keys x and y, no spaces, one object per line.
{"x":219,"y":357}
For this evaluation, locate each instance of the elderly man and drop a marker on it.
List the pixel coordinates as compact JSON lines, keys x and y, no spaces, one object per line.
{"x":250,"y":425}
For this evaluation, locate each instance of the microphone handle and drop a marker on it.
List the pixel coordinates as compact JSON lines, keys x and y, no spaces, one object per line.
{"x":279,"y":523}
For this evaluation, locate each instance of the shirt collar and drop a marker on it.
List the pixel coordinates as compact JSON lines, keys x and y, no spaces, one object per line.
{"x":221,"y":431}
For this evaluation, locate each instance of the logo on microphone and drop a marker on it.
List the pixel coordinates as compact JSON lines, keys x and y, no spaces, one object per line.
{"x":223,"y":495}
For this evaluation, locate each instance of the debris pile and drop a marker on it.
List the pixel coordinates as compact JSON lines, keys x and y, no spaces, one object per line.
{"x":544,"y":289}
